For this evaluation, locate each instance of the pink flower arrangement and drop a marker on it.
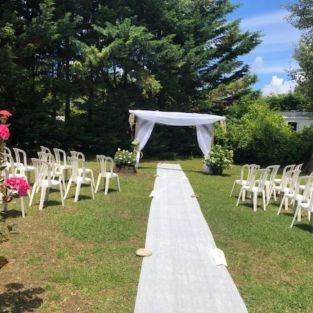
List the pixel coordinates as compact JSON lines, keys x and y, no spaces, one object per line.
{"x":18,"y":184}
{"x":4,"y":132}
{"x":5,"y":113}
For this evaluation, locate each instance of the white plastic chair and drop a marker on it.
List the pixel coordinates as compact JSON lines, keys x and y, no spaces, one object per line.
{"x":78,"y":177}
{"x":245,"y":172}
{"x":106,"y":171}
{"x":286,"y":169}
{"x":12,"y":171}
{"x":269,"y":184}
{"x":290,"y":191}
{"x":255,"y":187}
{"x":306,"y":205}
{"x":61,"y":160}
{"x":8,"y":152}
{"x":21,"y":160}
{"x":302,"y":186}
{"x":82,"y":160}
{"x":44,"y":181}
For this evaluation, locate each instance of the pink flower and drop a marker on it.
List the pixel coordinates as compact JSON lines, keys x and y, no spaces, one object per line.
{"x":18,"y":184}
{"x":5,"y":113}
{"x":4,"y":132}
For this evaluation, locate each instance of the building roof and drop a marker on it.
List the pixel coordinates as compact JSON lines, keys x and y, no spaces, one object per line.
{"x":296,"y":114}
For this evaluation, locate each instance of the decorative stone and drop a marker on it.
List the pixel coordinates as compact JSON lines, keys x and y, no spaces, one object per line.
{"x":143,"y":252}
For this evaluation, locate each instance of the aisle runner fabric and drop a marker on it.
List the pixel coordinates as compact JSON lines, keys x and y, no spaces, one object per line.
{"x":180,"y":276}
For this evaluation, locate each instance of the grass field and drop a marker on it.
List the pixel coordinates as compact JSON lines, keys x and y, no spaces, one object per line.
{"x":80,"y":258}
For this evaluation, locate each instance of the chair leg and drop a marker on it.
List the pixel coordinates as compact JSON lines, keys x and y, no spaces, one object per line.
{"x":32,"y":195}
{"x":107,"y":183}
{"x":77,"y":192}
{"x":47,"y":194}
{"x":118,"y":183}
{"x":231,"y":193}
{"x":275,"y":197}
{"x":243,"y":195}
{"x":61,"y":193}
{"x":286,"y":203}
{"x":240,"y":193}
{"x":269,"y":196}
{"x":295,"y":215}
{"x":22,"y":207}
{"x":92,"y":191}
{"x":42,"y":198}
{"x":281,"y":205}
{"x":93,"y":179}
{"x":98,"y":183}
{"x":255,"y":201}
{"x":264,"y":201}
{"x":68,"y":188}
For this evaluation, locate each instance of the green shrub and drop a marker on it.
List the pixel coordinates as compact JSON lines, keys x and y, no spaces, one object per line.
{"x":306,"y":144}
{"x":262,"y":136}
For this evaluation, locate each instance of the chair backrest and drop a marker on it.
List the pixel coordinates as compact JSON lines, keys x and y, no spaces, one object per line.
{"x":308,"y":189}
{"x":298,"y":167}
{"x":244,"y":172}
{"x":45,"y":149}
{"x":109,"y":165}
{"x":80,"y":157}
{"x":20,"y":156}
{"x":288,"y":168}
{"x":262,"y":177}
{"x":251,"y":177}
{"x":294,"y":178}
{"x":9,"y":161}
{"x":60,"y":156}
{"x":7,"y":151}
{"x":253,"y":168}
{"x":101,"y":163}
{"x":75,"y":168}
{"x":272,"y":170}
{"x":43,"y":171}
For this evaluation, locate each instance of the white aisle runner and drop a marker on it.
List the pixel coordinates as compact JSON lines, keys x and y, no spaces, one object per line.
{"x":180,"y":277}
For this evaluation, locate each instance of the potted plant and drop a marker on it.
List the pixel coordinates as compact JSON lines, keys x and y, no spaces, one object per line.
{"x":125,"y":161}
{"x":218,"y":159}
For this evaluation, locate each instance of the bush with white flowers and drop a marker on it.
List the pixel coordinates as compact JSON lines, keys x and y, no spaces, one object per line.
{"x":218,"y":159}
{"x":125,"y":157}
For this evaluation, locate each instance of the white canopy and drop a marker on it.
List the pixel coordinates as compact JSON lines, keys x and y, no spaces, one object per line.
{"x":204,"y":123}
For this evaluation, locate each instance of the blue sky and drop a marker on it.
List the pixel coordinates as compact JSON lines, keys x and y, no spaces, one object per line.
{"x":273,"y":58}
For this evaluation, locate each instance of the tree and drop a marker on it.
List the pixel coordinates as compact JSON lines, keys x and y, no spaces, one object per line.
{"x":301,"y":17}
{"x":90,"y":61}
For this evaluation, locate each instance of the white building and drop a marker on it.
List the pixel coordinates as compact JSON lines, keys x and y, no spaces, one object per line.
{"x":298,"y":120}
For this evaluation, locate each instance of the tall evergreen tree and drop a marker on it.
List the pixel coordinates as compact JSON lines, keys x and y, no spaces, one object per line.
{"x":90,"y":61}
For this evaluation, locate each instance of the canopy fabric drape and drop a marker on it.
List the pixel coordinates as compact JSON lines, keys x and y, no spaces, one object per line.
{"x":203,"y":122}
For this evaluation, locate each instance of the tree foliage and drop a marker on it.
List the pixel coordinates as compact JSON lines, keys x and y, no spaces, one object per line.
{"x":88,"y":62}
{"x":302,"y":18}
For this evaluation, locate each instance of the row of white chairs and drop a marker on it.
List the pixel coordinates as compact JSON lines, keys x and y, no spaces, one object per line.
{"x":291,"y":186}
{"x":51,"y":169}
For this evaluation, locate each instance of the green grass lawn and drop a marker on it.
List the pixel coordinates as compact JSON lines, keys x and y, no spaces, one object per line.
{"x":82,"y":257}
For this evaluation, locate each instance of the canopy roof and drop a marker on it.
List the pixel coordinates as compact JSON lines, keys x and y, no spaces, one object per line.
{"x":177,"y":118}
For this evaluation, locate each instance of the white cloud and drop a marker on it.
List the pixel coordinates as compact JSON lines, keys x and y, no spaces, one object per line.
{"x":259,"y":67}
{"x":272,"y":18}
{"x":258,"y":61}
{"x":278,"y":86}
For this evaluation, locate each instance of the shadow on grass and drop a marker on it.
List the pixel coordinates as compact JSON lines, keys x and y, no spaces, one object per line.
{"x":305,"y":227}
{"x":17,"y":299}
{"x":11,"y":214}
